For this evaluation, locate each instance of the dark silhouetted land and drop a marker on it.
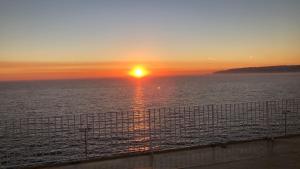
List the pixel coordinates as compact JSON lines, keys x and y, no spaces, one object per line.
{"x":267,"y":69}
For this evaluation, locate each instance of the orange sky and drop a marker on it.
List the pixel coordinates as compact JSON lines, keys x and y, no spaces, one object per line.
{"x":63,"y":70}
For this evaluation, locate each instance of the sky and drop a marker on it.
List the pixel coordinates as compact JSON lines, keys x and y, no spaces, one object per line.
{"x":93,"y":38}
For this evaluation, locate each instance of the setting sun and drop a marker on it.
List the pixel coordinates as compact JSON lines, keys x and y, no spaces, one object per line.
{"x":138,"y":72}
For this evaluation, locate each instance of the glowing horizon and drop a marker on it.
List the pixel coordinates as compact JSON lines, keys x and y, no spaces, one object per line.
{"x":54,"y":70}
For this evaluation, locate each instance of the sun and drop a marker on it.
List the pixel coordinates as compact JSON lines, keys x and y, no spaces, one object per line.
{"x":138,"y":72}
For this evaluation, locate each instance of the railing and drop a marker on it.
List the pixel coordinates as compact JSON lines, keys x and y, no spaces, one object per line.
{"x":49,"y":140}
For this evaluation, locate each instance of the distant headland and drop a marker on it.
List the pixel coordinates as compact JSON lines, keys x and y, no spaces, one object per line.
{"x":266,"y":69}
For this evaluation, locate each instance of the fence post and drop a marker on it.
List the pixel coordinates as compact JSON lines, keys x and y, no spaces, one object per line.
{"x":213,"y":121}
{"x":149,"y":130}
{"x":269,"y":121}
{"x":85,"y":142}
{"x":285,"y":115}
{"x":285,"y":112}
{"x":85,"y":130}
{"x":150,"y":139}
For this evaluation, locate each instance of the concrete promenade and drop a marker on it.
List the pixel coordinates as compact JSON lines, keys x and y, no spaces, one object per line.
{"x":282,"y":153}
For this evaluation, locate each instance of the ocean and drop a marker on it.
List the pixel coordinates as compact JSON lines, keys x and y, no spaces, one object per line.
{"x":68,"y":97}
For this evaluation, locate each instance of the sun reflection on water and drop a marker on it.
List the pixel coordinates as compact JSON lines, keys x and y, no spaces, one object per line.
{"x":140,"y":127}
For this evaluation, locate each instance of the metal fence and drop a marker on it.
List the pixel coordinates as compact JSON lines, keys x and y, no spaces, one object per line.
{"x":38,"y":141}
